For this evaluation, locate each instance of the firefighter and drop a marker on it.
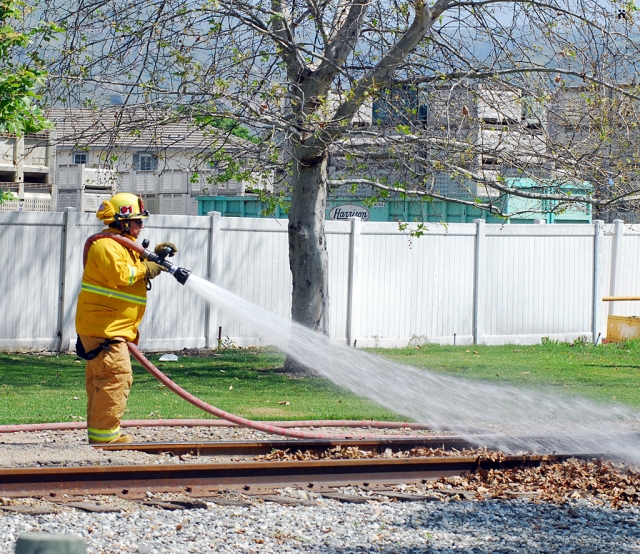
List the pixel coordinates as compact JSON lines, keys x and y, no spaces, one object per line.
{"x":111,"y":304}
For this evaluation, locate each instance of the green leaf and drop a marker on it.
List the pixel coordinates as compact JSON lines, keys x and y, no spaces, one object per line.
{"x":19,"y":81}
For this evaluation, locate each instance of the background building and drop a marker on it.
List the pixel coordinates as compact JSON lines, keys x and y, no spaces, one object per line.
{"x":469,"y":137}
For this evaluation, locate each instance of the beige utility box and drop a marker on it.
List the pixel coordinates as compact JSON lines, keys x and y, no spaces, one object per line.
{"x":622,"y":327}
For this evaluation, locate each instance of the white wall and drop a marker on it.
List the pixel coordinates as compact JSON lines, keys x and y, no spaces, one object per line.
{"x":468,"y":282}
{"x":169,"y":158}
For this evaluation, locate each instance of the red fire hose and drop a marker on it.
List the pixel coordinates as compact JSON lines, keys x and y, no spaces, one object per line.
{"x":227,"y":419}
{"x":124,"y":241}
{"x":243,"y":422}
{"x":73,"y":425}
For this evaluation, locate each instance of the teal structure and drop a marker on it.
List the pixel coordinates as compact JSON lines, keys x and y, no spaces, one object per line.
{"x":414,"y":210}
{"x":550,"y":210}
{"x":395,"y":209}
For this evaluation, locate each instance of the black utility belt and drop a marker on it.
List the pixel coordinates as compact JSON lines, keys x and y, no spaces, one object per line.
{"x":82,"y":353}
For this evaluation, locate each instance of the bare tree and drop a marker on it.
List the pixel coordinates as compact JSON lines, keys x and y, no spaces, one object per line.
{"x":454,"y":100}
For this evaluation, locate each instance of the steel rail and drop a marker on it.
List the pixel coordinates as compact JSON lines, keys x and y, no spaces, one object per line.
{"x":136,"y":481}
{"x":255,"y":448}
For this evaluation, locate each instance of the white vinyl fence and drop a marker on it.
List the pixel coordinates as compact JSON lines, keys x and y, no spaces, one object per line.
{"x":462,"y":282}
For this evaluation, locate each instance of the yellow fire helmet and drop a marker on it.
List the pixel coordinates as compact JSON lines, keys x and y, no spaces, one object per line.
{"x":123,"y":206}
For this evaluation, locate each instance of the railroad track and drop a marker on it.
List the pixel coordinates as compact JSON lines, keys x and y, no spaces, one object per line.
{"x":202,"y":480}
{"x":256,"y":448}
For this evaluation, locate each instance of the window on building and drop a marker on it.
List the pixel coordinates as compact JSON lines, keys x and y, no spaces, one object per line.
{"x":532,"y":112}
{"x":489,"y":162}
{"x":145,"y":162}
{"x":80,"y":158}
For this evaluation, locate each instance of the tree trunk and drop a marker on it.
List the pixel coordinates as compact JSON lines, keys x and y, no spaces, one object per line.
{"x":308,"y":257}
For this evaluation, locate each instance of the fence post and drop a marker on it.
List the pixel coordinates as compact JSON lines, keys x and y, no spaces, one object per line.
{"x":18,"y":163}
{"x":65,"y":317}
{"x":597,"y":279}
{"x":355,"y":282}
{"x":616,"y":256}
{"x":81,"y":195}
{"x":213,"y":274}
{"x":478,"y":279}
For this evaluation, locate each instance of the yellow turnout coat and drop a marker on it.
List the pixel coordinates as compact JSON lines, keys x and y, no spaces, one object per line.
{"x":114,"y":293}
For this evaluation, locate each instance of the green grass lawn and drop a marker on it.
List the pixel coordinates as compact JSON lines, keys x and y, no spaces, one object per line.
{"x":245,"y":382}
{"x":248,"y":382}
{"x":609,"y":372}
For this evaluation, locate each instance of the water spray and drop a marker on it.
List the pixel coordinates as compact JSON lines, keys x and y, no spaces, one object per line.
{"x":515,"y":419}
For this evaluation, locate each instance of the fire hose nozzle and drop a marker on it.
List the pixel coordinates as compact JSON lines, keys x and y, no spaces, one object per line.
{"x":180,"y":273}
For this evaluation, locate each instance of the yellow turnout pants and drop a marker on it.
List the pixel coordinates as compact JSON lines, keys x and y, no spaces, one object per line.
{"x":108,"y":382}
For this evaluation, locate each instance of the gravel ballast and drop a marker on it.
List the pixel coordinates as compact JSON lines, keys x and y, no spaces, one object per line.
{"x":331,"y":526}
{"x":442,"y":523}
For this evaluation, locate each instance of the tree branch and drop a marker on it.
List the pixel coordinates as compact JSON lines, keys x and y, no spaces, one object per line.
{"x":385,"y":67}
{"x":414,"y":192}
{"x":296,"y":67}
{"x":571,"y":198}
{"x":475,"y":74}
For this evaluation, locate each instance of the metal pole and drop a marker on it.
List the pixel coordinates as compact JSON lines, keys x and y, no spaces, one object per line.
{"x":355,"y":282}
{"x":616,"y":257}
{"x":65,"y":321}
{"x":478,"y":279}
{"x":597,"y":279}
{"x":213,"y":274}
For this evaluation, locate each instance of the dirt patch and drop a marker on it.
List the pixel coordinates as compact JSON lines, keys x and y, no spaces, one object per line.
{"x":291,"y":375}
{"x":272,"y":412}
{"x":272,"y":370}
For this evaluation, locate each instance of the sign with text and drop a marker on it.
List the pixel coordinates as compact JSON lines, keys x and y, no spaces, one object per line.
{"x":345,"y":211}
